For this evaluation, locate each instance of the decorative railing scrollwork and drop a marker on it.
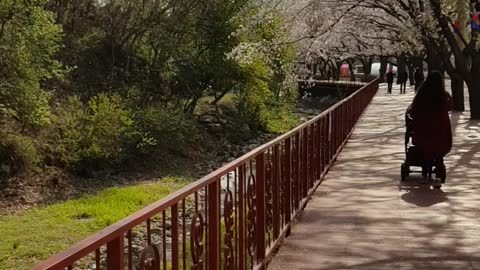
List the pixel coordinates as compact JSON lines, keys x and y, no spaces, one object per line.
{"x":284,"y":182}
{"x":251,"y":215}
{"x":196,"y":241}
{"x":294,"y":177}
{"x":269,"y":197}
{"x":228,"y":240}
{"x":147,"y":262}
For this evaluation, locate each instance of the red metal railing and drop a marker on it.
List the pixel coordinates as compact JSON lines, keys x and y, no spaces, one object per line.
{"x":233,"y":218}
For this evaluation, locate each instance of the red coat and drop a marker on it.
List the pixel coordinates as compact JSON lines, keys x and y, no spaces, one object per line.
{"x":432,"y":132}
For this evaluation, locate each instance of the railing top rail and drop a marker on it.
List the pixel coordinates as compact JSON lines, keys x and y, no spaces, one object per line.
{"x":90,"y":244}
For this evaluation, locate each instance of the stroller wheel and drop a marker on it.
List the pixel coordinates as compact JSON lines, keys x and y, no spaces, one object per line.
{"x":404,"y":171}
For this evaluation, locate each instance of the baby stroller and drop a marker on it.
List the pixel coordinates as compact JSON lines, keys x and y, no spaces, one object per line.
{"x":428,"y":167}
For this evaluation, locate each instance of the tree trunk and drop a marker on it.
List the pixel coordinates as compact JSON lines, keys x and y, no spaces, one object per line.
{"x":457,"y":88}
{"x":458,"y":94}
{"x":411,"y":72}
{"x":337,"y":71}
{"x":383,"y":68}
{"x":367,"y":65}
{"x":474,"y":93}
{"x":352,"y":70}
{"x":474,"y":87}
{"x":322,"y":70}
{"x":352,"y":73}
{"x":458,"y":82}
{"x":190,"y":106}
{"x":401,"y":68}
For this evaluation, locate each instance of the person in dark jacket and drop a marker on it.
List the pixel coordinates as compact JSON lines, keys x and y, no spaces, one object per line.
{"x":419,"y":78}
{"x":390,"y":76}
{"x":403,"y":78}
{"x":432,"y":132}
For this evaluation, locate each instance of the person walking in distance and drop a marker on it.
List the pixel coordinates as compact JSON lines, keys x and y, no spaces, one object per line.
{"x":403,"y":81}
{"x":419,"y":78}
{"x":390,"y":76}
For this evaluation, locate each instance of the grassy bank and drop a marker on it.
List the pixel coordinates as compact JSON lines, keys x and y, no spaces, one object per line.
{"x":34,"y":235}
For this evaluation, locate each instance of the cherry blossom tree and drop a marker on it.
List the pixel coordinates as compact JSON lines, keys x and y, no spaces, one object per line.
{"x":330,"y":32}
{"x":345,"y":30}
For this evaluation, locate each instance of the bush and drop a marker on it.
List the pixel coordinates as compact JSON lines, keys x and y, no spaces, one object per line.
{"x":264,"y":103}
{"x":104,"y":133}
{"x":252,"y":104}
{"x":262,"y":113}
{"x":18,"y":154}
{"x":281,"y":120}
{"x":267,"y":94}
{"x":91,"y":135}
{"x":29,"y":41}
{"x":164,"y":129}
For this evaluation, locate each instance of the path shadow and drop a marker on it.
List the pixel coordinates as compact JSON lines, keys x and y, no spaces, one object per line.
{"x":421,"y":194}
{"x":453,"y":261}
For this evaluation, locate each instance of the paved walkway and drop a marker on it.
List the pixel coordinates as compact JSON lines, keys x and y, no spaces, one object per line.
{"x":362,"y":217}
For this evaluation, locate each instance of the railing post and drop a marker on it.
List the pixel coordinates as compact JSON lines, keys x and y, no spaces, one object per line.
{"x":288,"y":179}
{"x":341,"y":125}
{"x":241,"y":219}
{"x":324,"y":143}
{"x":352,"y":113}
{"x":321,"y":144}
{"x":334,"y":116}
{"x":214,"y":226}
{"x":298,"y":187}
{"x":304,"y":162}
{"x":313,"y":155}
{"x":260,"y":200}
{"x":319,"y":150}
{"x":334,"y":132}
{"x":276,"y":191}
{"x":338,"y":127}
{"x":175,"y":252}
{"x":344,"y":120}
{"x":330,"y":138}
{"x":115,"y":254}
{"x":349,"y":113}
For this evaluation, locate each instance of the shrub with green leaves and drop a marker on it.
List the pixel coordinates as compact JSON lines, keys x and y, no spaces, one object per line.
{"x":164,"y":129}
{"x":267,"y":94}
{"x":18,"y":154}
{"x":93,"y":134}
{"x":182,"y":54}
{"x":260,"y":108}
{"x":255,"y":96}
{"x":29,"y":41}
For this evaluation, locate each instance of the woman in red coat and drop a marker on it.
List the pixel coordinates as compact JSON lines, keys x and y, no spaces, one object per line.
{"x":432,"y":132}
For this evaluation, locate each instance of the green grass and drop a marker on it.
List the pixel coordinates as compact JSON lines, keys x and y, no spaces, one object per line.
{"x":206,"y":102}
{"x":34,"y":235}
{"x":228,"y":100}
{"x":282,"y":122}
